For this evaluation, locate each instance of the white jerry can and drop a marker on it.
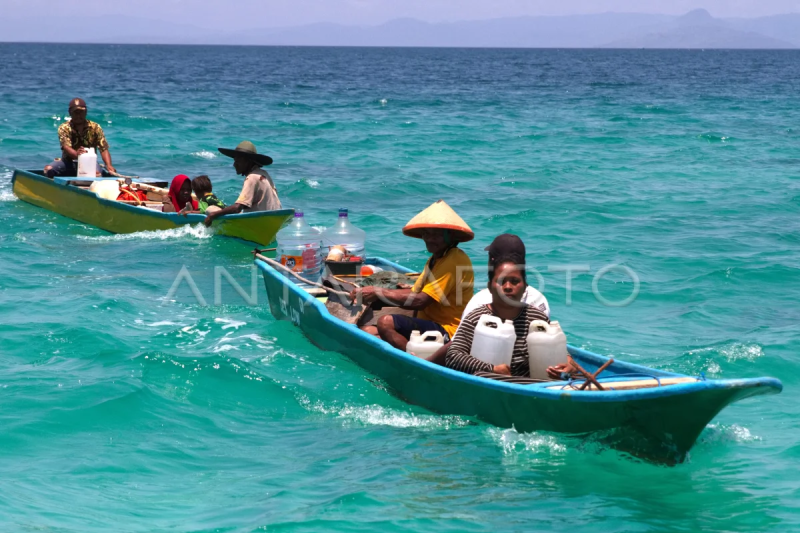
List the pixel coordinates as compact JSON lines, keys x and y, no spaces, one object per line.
{"x":547,"y":346}
{"x":493,"y":341}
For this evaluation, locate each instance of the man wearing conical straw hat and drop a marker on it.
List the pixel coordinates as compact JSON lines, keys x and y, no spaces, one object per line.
{"x":442,"y":291}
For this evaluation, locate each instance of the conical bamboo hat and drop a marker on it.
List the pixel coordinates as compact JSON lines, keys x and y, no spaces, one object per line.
{"x":439,"y":216}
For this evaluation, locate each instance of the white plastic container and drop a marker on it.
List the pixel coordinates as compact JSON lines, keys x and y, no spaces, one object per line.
{"x":107,"y":189}
{"x":87,"y":164}
{"x":345,"y":234}
{"x":493,"y":341}
{"x":547,"y":346}
{"x":425,"y":345}
{"x":299,"y":248}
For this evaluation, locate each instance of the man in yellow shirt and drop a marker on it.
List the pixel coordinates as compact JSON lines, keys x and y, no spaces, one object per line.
{"x":442,"y":291}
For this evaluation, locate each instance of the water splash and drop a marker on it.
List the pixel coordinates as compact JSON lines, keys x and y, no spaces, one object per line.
{"x":514,"y":443}
{"x":376,"y":415}
{"x":718,"y":433}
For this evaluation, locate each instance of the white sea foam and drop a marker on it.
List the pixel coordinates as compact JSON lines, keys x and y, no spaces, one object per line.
{"x":7,"y":196}
{"x":384,"y":101}
{"x":734,"y":351}
{"x":204,"y":154}
{"x":513,"y":442}
{"x":162,"y":323}
{"x":229,"y":323}
{"x":727,"y":433}
{"x":376,"y":415}
{"x":196,"y":231}
{"x":313,"y":184}
{"x":221,"y":348}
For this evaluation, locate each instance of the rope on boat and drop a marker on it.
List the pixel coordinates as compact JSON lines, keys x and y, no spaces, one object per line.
{"x":279,"y":266}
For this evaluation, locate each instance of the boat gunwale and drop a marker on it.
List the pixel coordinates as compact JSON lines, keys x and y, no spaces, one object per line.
{"x":539,"y":390}
{"x":181,"y":219}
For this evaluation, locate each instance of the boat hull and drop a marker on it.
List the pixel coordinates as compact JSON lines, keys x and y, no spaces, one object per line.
{"x":664,"y":422}
{"x":115,"y":217}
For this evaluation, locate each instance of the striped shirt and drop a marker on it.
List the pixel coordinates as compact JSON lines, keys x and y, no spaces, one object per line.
{"x":458,"y":357}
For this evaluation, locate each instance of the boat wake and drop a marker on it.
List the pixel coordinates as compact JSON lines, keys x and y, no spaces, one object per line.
{"x":196,"y":231}
{"x":5,"y":187}
{"x":376,"y":415}
{"x":514,"y":443}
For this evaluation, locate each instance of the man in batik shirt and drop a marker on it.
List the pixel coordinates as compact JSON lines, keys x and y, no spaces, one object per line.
{"x":75,"y":136}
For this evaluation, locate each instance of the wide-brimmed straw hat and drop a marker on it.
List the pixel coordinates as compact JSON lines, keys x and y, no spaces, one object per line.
{"x":248,"y":150}
{"x":439,"y":216}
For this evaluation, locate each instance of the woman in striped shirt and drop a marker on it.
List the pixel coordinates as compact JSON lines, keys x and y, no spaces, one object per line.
{"x":507,"y":284}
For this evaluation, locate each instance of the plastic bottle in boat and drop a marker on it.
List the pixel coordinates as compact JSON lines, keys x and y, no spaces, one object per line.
{"x":547,"y":346}
{"x":345,"y":234}
{"x":299,"y":248}
{"x":87,"y":164}
{"x":424,"y":344}
{"x":493,"y":341}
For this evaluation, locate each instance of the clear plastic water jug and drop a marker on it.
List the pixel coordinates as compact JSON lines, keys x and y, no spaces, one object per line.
{"x":425,"y":344}
{"x":87,"y":164}
{"x":299,"y":248}
{"x":345,"y":234}
{"x":547,"y":346}
{"x":493,"y":341}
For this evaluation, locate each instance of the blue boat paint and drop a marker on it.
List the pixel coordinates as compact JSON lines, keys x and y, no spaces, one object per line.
{"x":668,"y":418}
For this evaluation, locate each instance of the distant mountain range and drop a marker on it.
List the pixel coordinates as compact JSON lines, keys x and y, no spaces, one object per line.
{"x":696,"y":29}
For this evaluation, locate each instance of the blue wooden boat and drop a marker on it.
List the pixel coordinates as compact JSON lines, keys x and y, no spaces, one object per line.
{"x":660,"y":422}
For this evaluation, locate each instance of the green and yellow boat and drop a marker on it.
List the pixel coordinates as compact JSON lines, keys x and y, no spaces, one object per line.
{"x":72,"y":198}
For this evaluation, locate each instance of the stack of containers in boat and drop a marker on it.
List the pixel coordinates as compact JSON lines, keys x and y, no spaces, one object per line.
{"x":299,"y":248}
{"x":344,"y":235}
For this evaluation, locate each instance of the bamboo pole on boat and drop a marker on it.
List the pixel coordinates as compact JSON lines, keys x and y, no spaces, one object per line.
{"x":275,"y":264}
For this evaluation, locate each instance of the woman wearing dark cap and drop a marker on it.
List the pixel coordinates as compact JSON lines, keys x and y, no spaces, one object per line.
{"x":505,"y":245}
{"x":502,"y":246}
{"x":506,"y":285}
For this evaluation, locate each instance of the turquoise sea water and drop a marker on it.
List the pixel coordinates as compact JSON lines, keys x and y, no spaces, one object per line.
{"x":120,"y":410}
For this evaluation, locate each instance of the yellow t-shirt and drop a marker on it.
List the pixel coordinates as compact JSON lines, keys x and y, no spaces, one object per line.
{"x":450,"y":285}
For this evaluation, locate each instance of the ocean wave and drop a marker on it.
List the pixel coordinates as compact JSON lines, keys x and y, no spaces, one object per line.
{"x":7,"y":196}
{"x":732,"y":351}
{"x":196,"y":231}
{"x":236,"y":324}
{"x":204,"y":154}
{"x":162,"y":323}
{"x":713,"y":137}
{"x":376,"y":415}
{"x":229,"y":343}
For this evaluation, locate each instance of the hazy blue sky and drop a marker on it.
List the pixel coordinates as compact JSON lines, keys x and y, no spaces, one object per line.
{"x":230,"y":14}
